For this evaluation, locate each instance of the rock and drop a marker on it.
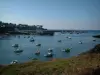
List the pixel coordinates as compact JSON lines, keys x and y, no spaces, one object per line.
{"x":97,"y":36}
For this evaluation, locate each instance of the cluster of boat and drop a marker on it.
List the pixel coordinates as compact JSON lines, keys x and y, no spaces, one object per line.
{"x":17,"y":50}
{"x":50,"y":50}
{"x":49,"y":53}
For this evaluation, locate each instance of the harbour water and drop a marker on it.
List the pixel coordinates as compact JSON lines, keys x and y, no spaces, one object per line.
{"x":29,"y":48}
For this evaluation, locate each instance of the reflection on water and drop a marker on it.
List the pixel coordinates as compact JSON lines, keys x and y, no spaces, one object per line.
{"x":7,"y":53}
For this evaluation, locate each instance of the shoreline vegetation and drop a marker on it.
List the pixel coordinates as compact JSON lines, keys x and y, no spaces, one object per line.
{"x":11,"y":28}
{"x":87,"y":63}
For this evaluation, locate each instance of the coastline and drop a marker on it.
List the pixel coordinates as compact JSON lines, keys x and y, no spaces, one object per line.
{"x":96,"y":36}
{"x":86,"y":63}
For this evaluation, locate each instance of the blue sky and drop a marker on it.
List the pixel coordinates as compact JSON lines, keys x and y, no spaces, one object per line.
{"x":53,"y":14}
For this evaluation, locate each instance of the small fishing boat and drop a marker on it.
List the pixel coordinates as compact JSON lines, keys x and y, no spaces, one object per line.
{"x":15,"y":45}
{"x":38,"y":44}
{"x":66,"y":50}
{"x":50,"y":49}
{"x":32,"y":40}
{"x":49,"y":54}
{"x":80,"y":42}
{"x":69,"y":37}
{"x":59,"y":40}
{"x":14,"y":62}
{"x":94,"y":40}
{"x":18,"y":51}
{"x":37,"y":53}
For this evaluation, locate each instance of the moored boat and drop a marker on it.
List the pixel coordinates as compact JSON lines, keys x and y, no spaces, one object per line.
{"x":80,"y":42}
{"x":50,"y":49}
{"x":32,"y":40}
{"x":49,"y":54}
{"x":14,"y":62}
{"x":37,"y":53}
{"x":66,"y":50}
{"x":15,"y":45}
{"x":38,"y":44}
{"x":59,"y":41}
{"x":18,"y":51}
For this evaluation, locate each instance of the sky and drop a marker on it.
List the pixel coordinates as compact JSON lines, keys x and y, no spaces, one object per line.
{"x":52,"y":14}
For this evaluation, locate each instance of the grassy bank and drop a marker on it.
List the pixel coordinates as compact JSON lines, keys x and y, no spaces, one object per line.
{"x":85,"y":64}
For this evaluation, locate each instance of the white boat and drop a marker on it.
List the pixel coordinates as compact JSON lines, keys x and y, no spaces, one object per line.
{"x":80,"y":42}
{"x":14,"y":62}
{"x":69,"y":37}
{"x":38,"y":44}
{"x":49,"y":54}
{"x":66,"y":50}
{"x":18,"y":51}
{"x":37,"y":53}
{"x":50,"y":49}
{"x":32,"y":40}
{"x":15,"y":45}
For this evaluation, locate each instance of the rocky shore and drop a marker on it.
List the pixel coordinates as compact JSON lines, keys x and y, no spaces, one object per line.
{"x":97,"y":36}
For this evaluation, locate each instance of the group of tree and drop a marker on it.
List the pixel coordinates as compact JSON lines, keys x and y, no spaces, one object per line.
{"x":5,"y":27}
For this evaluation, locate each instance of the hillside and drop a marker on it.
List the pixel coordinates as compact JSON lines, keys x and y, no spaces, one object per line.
{"x":87,"y":63}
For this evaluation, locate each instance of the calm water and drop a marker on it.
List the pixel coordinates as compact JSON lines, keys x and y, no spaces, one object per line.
{"x":7,"y":51}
